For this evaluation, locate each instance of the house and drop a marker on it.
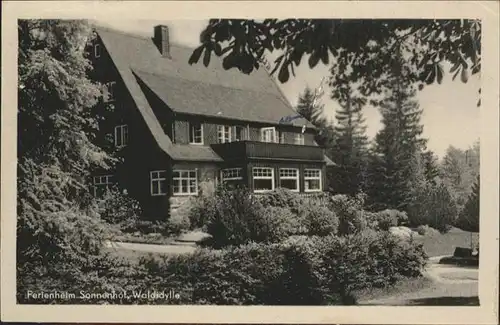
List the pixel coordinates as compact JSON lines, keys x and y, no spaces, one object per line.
{"x":178,"y":126}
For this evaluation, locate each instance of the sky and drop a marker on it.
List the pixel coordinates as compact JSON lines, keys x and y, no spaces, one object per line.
{"x":450,"y":115}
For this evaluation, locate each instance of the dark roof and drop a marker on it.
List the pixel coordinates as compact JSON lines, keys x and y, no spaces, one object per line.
{"x":192,"y":89}
{"x":196,"y":89}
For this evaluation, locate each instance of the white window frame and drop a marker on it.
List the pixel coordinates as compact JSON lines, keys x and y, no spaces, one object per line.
{"x":306,"y":178}
{"x":123,"y":130}
{"x":98,"y":181}
{"x":110,"y":88}
{"x":254,"y":177}
{"x":192,"y":134}
{"x":243,"y":135}
{"x":223,"y":133}
{"x":263,"y":132}
{"x":235,"y":174}
{"x":97,"y":50}
{"x":296,"y":177}
{"x":180,"y":178}
{"x":155,"y":176}
{"x":299,"y":139}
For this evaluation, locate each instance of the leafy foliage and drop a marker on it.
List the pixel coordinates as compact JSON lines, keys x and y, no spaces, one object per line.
{"x":361,"y":49}
{"x":58,"y":220}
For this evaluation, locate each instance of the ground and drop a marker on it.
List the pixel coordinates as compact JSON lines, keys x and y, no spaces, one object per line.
{"x":441,"y":284}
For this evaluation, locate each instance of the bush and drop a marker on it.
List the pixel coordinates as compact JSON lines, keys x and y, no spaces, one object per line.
{"x":390,"y":218}
{"x":237,"y":218}
{"x":426,"y":230}
{"x":117,"y":208}
{"x":282,"y":198}
{"x":318,"y":219}
{"x":352,"y":217}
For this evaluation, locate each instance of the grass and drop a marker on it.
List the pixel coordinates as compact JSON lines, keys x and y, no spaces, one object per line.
{"x":401,"y":287}
{"x":153,"y":238}
{"x":445,"y":244}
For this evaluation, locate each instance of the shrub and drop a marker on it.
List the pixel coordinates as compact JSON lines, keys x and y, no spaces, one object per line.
{"x":365,"y":260}
{"x":352,"y":217}
{"x":237,"y":218}
{"x":282,"y":198}
{"x":426,"y":230}
{"x":202,"y":209}
{"x":318,"y":219}
{"x":117,"y":208}
{"x":390,"y":218}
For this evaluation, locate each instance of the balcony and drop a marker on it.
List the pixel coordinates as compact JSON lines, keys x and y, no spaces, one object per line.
{"x":268,"y":151}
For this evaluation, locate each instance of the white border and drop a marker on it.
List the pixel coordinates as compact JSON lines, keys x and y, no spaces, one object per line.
{"x":488,"y":11}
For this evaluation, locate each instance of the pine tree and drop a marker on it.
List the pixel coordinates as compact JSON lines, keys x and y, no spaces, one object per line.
{"x":469,"y":218}
{"x":312,"y":110}
{"x":397,"y":145}
{"x":351,"y":146}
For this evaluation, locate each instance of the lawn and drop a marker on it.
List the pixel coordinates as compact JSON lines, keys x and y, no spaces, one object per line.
{"x":445,"y":244}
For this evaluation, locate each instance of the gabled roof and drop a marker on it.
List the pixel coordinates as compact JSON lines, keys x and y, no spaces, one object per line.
{"x":196,"y":89}
{"x":193,"y":89}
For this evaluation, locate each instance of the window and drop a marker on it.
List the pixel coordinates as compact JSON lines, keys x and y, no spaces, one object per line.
{"x":239,"y":133}
{"x":223,"y":133}
{"x":195,"y":133}
{"x":263,"y":179}
{"x":299,"y":138}
{"x":121,"y":136}
{"x":102,"y":184}
{"x":312,"y":180}
{"x":289,"y":178}
{"x":158,"y":183}
{"x":185,"y":182}
{"x":110,"y":91}
{"x":97,"y":51}
{"x":268,"y":134}
{"x":281,"y":137}
{"x":231,"y":176}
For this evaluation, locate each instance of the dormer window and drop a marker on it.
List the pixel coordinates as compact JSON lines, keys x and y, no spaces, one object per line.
{"x":239,"y":133}
{"x":299,"y":138}
{"x":121,"y":136}
{"x":268,"y":134}
{"x":223,"y":133}
{"x":97,"y":51}
{"x":195,"y":133}
{"x":110,"y":91}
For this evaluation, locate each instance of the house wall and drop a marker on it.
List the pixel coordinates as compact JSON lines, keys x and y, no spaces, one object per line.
{"x":182,"y":122}
{"x":142,"y":154}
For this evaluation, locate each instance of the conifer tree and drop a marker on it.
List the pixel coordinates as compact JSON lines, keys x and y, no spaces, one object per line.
{"x":469,"y":218}
{"x":312,"y":110}
{"x":397,"y":145}
{"x":351,"y":145}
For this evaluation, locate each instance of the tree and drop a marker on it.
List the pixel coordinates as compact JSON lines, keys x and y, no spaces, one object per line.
{"x":351,"y":146}
{"x":359,"y":47}
{"x":396,"y":159}
{"x":312,"y":110}
{"x":459,"y":170}
{"x":58,"y":220}
{"x":469,"y":217}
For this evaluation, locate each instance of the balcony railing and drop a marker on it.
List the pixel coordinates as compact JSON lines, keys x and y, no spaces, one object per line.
{"x":268,"y":150}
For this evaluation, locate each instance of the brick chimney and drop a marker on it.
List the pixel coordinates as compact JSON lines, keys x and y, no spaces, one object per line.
{"x":162,"y":40}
